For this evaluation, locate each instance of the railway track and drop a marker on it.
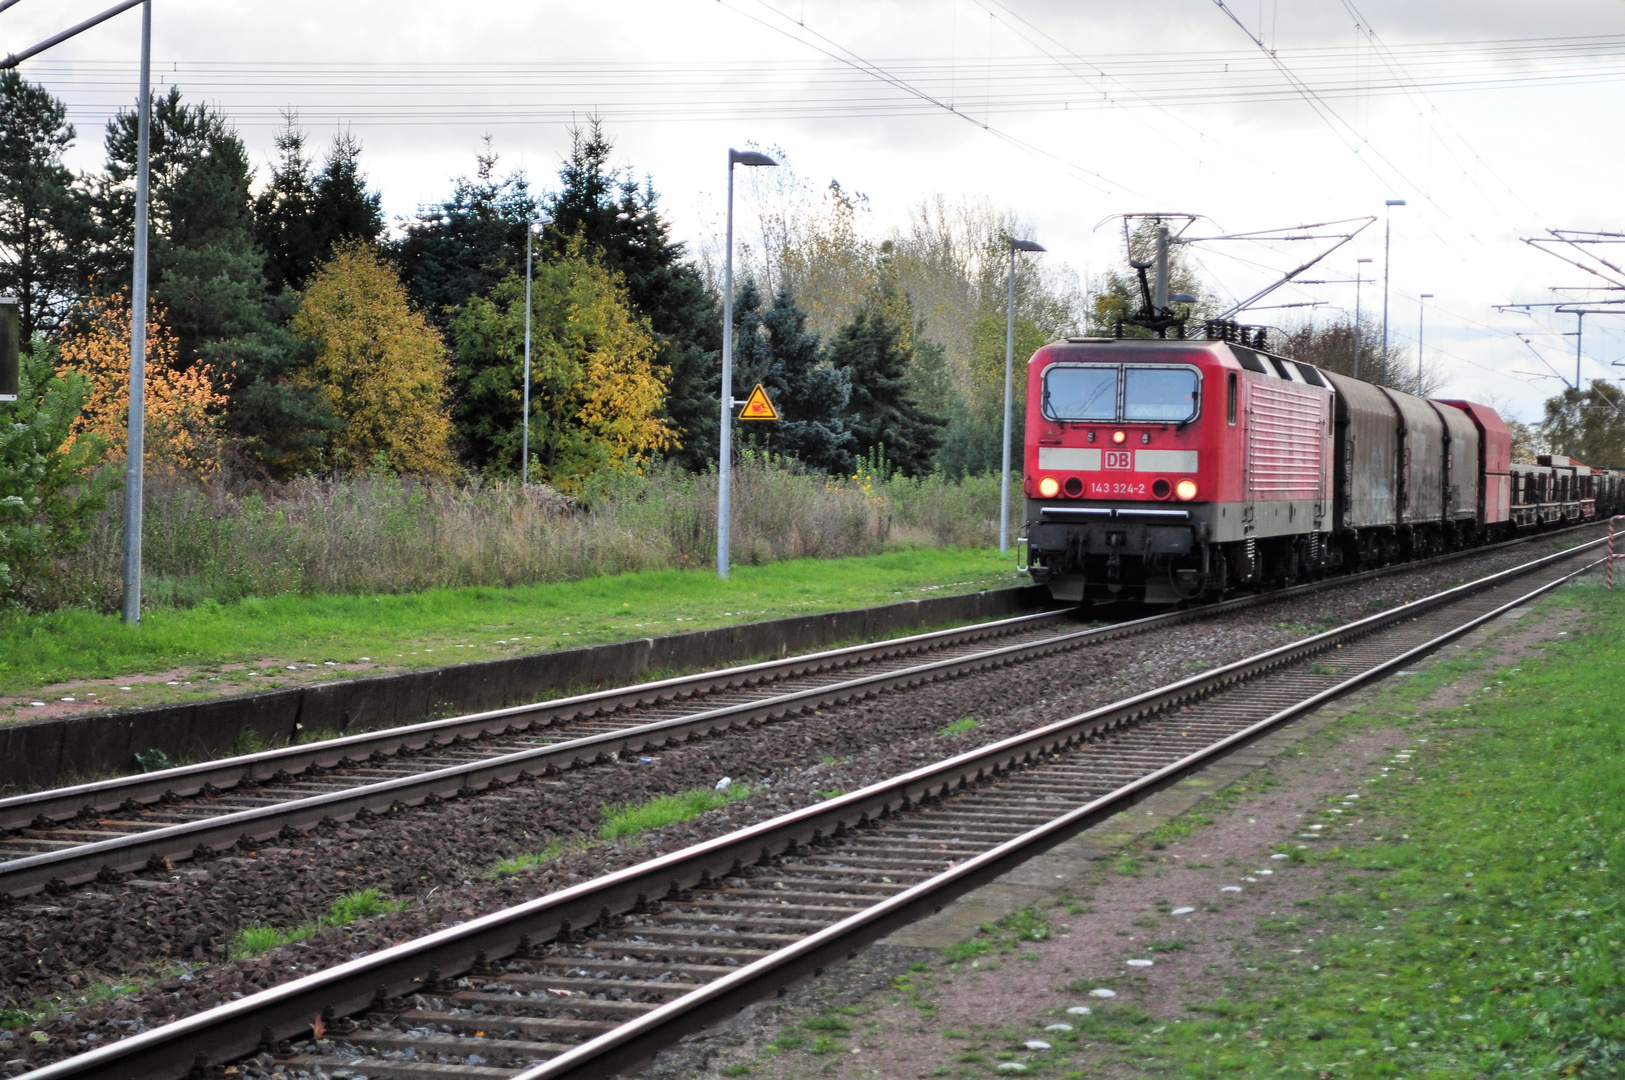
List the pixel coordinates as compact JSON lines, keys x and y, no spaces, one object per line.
{"x":593,"y":979}
{"x":53,"y":840}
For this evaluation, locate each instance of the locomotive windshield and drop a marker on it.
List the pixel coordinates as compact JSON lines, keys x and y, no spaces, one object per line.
{"x":1081,"y":393}
{"x":1160,"y":394}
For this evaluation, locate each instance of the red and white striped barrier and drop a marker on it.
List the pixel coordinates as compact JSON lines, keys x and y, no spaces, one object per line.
{"x":1608,"y":567}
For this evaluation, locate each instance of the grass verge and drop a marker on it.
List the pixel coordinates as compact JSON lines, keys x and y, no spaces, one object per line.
{"x":442,"y":626}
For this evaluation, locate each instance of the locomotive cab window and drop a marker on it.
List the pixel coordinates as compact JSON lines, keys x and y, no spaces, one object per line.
{"x":1230,"y":400}
{"x":1160,"y":394}
{"x":1081,"y":393}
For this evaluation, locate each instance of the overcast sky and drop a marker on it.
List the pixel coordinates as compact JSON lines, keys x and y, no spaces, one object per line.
{"x":1493,"y":120}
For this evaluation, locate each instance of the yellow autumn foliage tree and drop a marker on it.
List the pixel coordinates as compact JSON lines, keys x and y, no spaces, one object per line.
{"x":596,"y":389}
{"x":380,"y":364}
{"x":183,"y":408}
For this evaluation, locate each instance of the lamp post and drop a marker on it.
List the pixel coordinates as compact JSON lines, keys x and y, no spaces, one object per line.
{"x":533,"y":227}
{"x":1387,"y":238}
{"x":1421,"y":327}
{"x":1359,"y":278}
{"x":135,"y":437}
{"x":725,"y":441}
{"x":1009,"y":380}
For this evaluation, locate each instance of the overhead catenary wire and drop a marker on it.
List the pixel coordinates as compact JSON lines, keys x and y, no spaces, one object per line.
{"x":1416,"y":89}
{"x":836,"y":51}
{"x":506,"y":92}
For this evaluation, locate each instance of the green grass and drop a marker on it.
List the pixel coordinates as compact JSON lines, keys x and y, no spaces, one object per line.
{"x":1003,"y":936}
{"x":963,"y":724}
{"x":525,"y":860}
{"x":1490,"y":939}
{"x":254,"y":940}
{"x":443,"y":626}
{"x":665,"y":810}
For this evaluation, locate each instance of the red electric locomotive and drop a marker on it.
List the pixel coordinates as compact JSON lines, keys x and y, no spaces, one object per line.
{"x":1166,"y":470}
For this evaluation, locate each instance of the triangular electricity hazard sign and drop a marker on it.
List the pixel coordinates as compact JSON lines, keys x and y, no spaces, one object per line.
{"x":757,"y":407}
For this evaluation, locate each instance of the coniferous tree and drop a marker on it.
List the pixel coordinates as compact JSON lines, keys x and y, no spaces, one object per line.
{"x":774,"y":347}
{"x":614,"y":213}
{"x":43,"y":219}
{"x":345,"y":208}
{"x":877,"y":354}
{"x":464,"y":246}
{"x":208,"y":271}
{"x":301,"y":215}
{"x":284,"y":213}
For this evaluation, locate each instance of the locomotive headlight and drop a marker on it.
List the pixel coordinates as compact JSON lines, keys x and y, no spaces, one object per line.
{"x":1119,"y":436}
{"x":1186,"y":489}
{"x":1049,"y":487}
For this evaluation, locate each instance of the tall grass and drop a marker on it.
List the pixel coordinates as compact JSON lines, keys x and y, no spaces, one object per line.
{"x":225,"y":541}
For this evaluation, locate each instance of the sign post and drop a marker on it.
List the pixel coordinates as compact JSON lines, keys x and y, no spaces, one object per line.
{"x":10,"y":349}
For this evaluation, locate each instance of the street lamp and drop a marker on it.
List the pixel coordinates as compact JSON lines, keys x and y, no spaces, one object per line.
{"x":725,"y":447}
{"x":1359,"y":277}
{"x":135,"y":439}
{"x":1009,"y":379}
{"x":1421,"y":326}
{"x":532,"y":229}
{"x":1387,"y":237}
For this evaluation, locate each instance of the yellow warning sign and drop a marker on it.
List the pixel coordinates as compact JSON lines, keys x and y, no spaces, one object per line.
{"x":757,"y":407}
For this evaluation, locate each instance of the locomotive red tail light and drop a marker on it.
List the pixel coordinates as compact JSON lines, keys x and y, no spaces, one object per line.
{"x":1119,"y":436}
{"x":1186,"y":489}
{"x":1049,"y":487}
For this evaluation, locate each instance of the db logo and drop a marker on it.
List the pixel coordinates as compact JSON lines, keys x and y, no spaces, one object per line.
{"x":1119,"y":459}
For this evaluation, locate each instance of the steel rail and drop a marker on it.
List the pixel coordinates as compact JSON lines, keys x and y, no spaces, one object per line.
{"x":105,"y":860}
{"x":237,"y":1028}
{"x":57,"y":805}
{"x":61,"y":804}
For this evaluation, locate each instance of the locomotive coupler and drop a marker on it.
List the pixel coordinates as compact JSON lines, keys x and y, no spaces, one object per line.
{"x":1114,"y":558}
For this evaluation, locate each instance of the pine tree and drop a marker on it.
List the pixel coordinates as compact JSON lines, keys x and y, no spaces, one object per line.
{"x":877,"y":353}
{"x":300,"y":216}
{"x":284,"y":213}
{"x":345,"y":209}
{"x":464,"y":246}
{"x":611,"y":211}
{"x":43,"y":219}
{"x":775,"y":348}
